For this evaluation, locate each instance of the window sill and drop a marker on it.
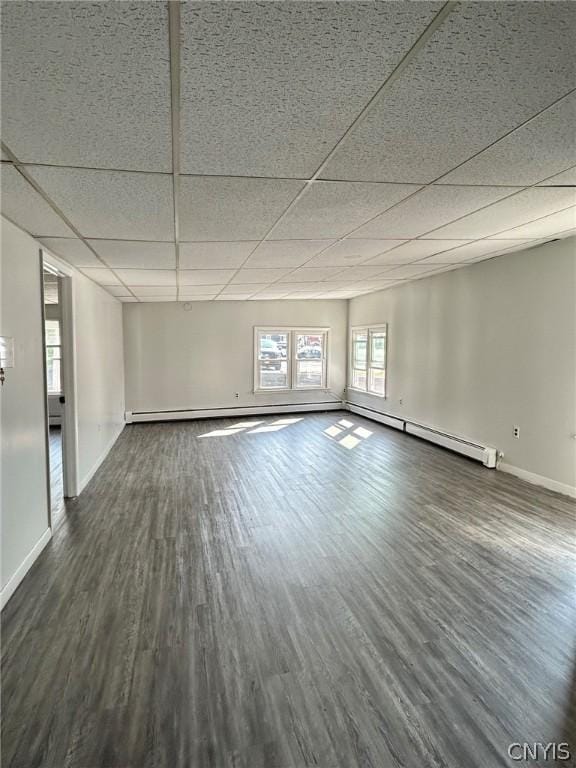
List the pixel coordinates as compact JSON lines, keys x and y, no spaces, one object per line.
{"x":366,"y":392}
{"x":293,"y":389}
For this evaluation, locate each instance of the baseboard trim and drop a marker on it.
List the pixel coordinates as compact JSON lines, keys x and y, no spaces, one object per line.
{"x":90,"y":474}
{"x":214,"y":413}
{"x":22,"y":570}
{"x":541,"y":480}
{"x":370,"y":413}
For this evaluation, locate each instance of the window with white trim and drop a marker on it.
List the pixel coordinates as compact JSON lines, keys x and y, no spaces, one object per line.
{"x":290,"y":358}
{"x":53,"y":357}
{"x":368,"y":359}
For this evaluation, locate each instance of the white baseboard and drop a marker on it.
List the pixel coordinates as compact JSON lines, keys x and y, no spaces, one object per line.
{"x":369,"y":413}
{"x":545,"y":482}
{"x":214,"y":413}
{"x":24,"y":567}
{"x":90,"y":474}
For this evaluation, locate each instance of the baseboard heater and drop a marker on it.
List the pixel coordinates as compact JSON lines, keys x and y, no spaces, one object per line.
{"x":215,"y":413}
{"x":485,"y":454}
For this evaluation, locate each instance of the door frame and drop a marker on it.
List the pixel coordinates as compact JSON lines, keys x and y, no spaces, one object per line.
{"x":68,"y":372}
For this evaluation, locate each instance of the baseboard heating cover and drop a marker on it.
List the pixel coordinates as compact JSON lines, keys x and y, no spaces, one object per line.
{"x":215,"y":413}
{"x":483,"y":453}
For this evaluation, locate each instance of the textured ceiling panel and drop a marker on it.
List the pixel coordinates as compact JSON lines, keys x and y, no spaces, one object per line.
{"x":232,"y":209}
{"x":248,"y":276}
{"x":357,"y":273}
{"x":489,"y":67}
{"x":285,"y":253}
{"x":332,"y":209}
{"x":147,"y":276}
{"x":311,"y":274}
{"x":71,"y":250}
{"x":199,"y":290}
{"x":215,"y":255}
{"x":135,"y":255}
{"x":409,"y":271}
{"x":119,"y":291}
{"x":87,"y":83}
{"x":473,"y":250}
{"x":547,"y":226}
{"x":414,"y":250}
{"x":204,"y":276}
{"x":100,"y":275}
{"x":567,"y":177}
{"x":516,"y":210}
{"x":109,"y":204}
{"x":269,"y":88}
{"x":233,"y":296}
{"x":542,"y":147}
{"x":349,"y":252}
{"x":144,"y":291}
{"x":429,"y":209}
{"x":250,"y":288}
{"x":21,"y":203}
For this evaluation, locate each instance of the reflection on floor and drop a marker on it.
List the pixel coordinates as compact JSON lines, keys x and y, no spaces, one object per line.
{"x":56,"y":481}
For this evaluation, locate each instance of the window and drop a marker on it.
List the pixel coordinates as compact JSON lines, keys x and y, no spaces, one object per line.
{"x":53,"y":357}
{"x":368,"y":360}
{"x":290,"y":358}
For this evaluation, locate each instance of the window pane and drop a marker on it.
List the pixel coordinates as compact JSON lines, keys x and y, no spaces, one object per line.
{"x":273,"y":374}
{"x":309,"y":346}
{"x":378,"y":349}
{"x":377,"y":381}
{"x":359,"y":345}
{"x":309,"y":373}
{"x":272,"y":346}
{"x":52,"y":332}
{"x":53,"y":374}
{"x":359,"y":378}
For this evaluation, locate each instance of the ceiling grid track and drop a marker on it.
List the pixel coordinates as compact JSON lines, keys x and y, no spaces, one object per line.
{"x":34,"y":184}
{"x":174,"y":45}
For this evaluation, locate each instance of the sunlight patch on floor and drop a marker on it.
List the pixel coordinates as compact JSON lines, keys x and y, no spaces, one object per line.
{"x":346,"y":435}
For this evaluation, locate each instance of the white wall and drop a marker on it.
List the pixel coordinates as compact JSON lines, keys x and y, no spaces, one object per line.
{"x":99,"y":373}
{"x":24,"y":496}
{"x":177,"y":359}
{"x":481,"y":349}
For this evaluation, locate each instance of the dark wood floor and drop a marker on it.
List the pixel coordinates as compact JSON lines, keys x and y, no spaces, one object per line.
{"x":56,"y":478}
{"x":273,"y":599}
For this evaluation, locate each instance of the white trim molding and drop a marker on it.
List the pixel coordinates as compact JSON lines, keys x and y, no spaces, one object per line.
{"x":544,"y":482}
{"x":17,"y":577}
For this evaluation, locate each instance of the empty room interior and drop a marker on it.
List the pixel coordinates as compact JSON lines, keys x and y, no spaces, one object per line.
{"x":288,"y":384}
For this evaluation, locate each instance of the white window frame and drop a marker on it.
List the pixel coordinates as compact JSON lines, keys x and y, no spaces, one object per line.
{"x":47,"y":346}
{"x":292,"y":332}
{"x":369,"y":330}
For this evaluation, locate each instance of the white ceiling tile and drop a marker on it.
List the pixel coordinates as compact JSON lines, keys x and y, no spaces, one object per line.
{"x":471,"y":83}
{"x":514,"y":211}
{"x":247,"y":288}
{"x":143,"y":291}
{"x":311,"y":274}
{"x":567,"y":177}
{"x":163,"y":299}
{"x":233,"y":296}
{"x":547,"y":226}
{"x":332,"y":209}
{"x":147,"y":276}
{"x":20,"y":202}
{"x":301,"y":295}
{"x":346,"y":253}
{"x":199,"y":290}
{"x":100,"y":275}
{"x":87,"y":84}
{"x":414,"y":250}
{"x":248,"y":276}
{"x":132,"y":254}
{"x":357,"y":273}
{"x":429,"y":209}
{"x":198,"y":297}
{"x":285,"y":253}
{"x":540,"y":148}
{"x":267,"y":296}
{"x":473,"y":250}
{"x":111,"y":204}
{"x":205,"y":276}
{"x":409,"y":271}
{"x":232,"y":209}
{"x":223,"y":255}
{"x":71,"y":250}
{"x":119,"y":291}
{"x":259,"y":91}
{"x":125,"y":299}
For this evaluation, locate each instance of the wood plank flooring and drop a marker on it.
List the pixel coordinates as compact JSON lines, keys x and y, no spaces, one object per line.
{"x":274,"y":599}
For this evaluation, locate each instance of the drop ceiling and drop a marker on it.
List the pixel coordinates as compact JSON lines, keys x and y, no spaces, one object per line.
{"x":201,"y":151}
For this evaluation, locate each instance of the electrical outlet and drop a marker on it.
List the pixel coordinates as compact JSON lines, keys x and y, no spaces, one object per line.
{"x":516,"y":432}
